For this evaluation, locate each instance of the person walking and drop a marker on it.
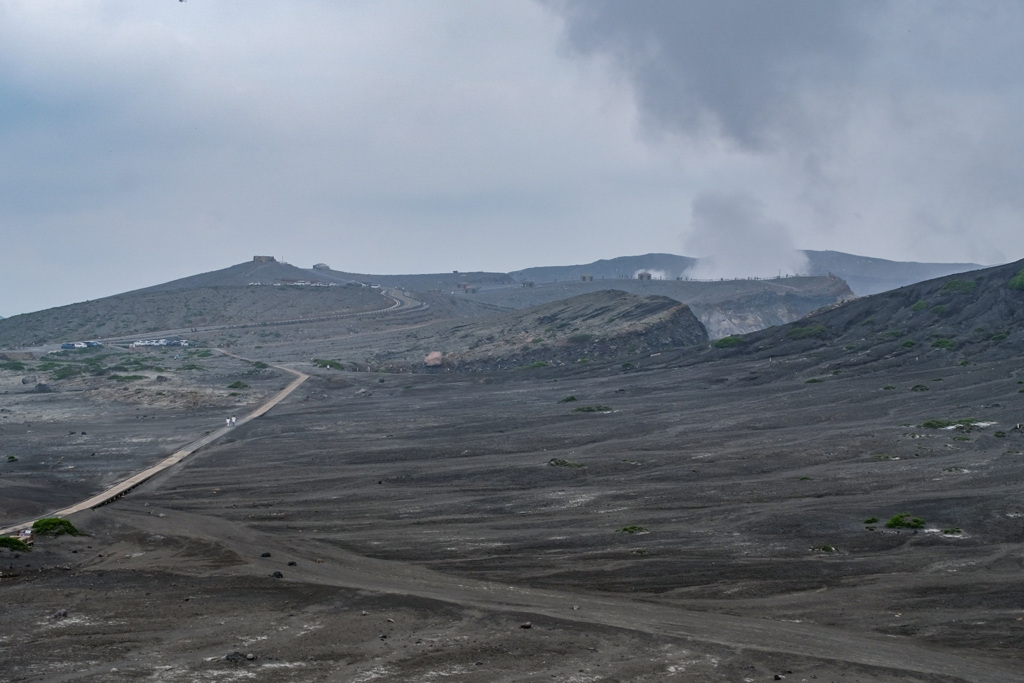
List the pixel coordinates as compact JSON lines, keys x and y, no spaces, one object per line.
{"x":232,"y":420}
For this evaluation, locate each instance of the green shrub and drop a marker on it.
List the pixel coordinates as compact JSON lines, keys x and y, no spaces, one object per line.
{"x":814,"y":380}
{"x":632,"y":529}
{"x":825,"y":548}
{"x":12,"y":458}
{"x":966,"y":423}
{"x":238,"y":385}
{"x":943,"y":343}
{"x":538,"y":364}
{"x":909,"y":344}
{"x":999,"y":336}
{"x":953,"y":530}
{"x":14,"y":365}
{"x":66,"y":372}
{"x":894,"y":334}
{"x":729,"y":342}
{"x":920,"y":306}
{"x":808,"y":332}
{"x":15,"y":544}
{"x":960,"y":286}
{"x":559,"y":462}
{"x":592,"y":409}
{"x":1017,"y":282}
{"x":332,"y":364}
{"x":871,"y":520}
{"x":919,"y":387}
{"x":903,"y":520}
{"x":260,"y":365}
{"x":889,"y":387}
{"x":568,"y":399}
{"x":55,"y":526}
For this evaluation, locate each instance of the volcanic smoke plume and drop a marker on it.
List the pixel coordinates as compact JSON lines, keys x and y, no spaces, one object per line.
{"x":734,"y":239}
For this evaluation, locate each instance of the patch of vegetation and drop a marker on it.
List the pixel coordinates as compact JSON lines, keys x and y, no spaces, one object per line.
{"x":909,"y":344}
{"x":894,"y":334}
{"x":886,"y":456}
{"x":730,"y":342}
{"x":16,"y":366}
{"x":871,"y":520}
{"x":238,"y":385}
{"x":538,"y":364}
{"x":919,"y":387}
{"x":889,"y":387}
{"x":825,"y":548}
{"x":332,"y":364}
{"x":55,"y":526}
{"x":559,"y":462}
{"x":940,"y":310}
{"x":959,"y":286}
{"x":66,"y":372}
{"x":15,"y":544}
{"x":260,"y":365}
{"x":966,"y":423}
{"x":580,"y":338}
{"x":568,"y":399}
{"x":944,"y":343}
{"x":1000,"y":435}
{"x":953,"y":530}
{"x":814,"y":380}
{"x":1017,"y":281}
{"x":205,"y":353}
{"x":920,"y":306}
{"x":999,"y":336}
{"x":592,"y":409}
{"x":808,"y":332}
{"x":632,"y":529}
{"x":627,"y":366}
{"x":903,"y":520}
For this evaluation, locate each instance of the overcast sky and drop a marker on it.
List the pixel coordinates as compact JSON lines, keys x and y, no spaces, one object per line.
{"x":145,"y":141}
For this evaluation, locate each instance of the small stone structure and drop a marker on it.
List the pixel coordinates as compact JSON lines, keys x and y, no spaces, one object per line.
{"x":264,"y":259}
{"x":643,"y":276}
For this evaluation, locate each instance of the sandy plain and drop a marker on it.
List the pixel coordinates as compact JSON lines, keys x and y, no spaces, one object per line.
{"x":705,"y":522}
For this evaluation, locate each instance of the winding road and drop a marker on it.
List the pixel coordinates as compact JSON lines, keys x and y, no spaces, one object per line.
{"x":123,"y":487}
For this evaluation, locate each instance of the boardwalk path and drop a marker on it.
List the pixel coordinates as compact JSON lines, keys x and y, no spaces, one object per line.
{"x":118,"y":490}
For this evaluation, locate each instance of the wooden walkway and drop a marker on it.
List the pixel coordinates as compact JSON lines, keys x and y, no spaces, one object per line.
{"x":118,"y":490}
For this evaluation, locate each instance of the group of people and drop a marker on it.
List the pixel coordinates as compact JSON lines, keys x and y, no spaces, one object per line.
{"x":229,"y":421}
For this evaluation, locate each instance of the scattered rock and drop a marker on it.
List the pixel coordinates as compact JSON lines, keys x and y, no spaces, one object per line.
{"x":43,"y":388}
{"x":278,"y":575}
{"x":292,"y":563}
{"x":526,"y":624}
{"x":59,"y":614}
{"x":433,"y":359}
{"x":265,"y":555}
{"x":236,"y":658}
{"x":29,"y":379}
{"x":161,"y":379}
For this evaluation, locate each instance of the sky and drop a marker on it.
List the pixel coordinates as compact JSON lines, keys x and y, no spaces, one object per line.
{"x":142,"y":142}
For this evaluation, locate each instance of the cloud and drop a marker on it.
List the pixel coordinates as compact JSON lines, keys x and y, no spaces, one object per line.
{"x":885,"y":128}
{"x":733,"y":238}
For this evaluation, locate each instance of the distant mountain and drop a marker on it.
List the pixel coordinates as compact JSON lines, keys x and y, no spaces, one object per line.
{"x":948,"y":321}
{"x":261,"y":270}
{"x":867,"y":275}
{"x":864,"y":274}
